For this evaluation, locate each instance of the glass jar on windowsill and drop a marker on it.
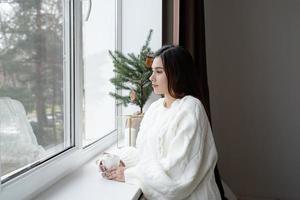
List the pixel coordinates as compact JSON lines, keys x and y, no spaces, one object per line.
{"x":127,"y":129}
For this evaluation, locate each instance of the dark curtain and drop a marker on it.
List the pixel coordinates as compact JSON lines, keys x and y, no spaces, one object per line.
{"x":167,"y":22}
{"x":192,"y":37}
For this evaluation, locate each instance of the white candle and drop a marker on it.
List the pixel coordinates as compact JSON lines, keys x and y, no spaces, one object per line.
{"x":130,"y":136}
{"x":133,"y":136}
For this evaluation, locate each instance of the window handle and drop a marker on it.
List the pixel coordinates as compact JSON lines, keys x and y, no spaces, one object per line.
{"x":89,"y":11}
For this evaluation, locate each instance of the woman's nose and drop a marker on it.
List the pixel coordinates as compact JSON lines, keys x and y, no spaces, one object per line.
{"x":151,"y":77}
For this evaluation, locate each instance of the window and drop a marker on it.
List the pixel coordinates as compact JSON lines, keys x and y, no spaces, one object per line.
{"x":98,"y":37}
{"x":34,"y":83}
{"x":44,"y":47}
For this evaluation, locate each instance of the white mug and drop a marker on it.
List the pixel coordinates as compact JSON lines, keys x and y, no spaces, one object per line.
{"x":109,"y":160}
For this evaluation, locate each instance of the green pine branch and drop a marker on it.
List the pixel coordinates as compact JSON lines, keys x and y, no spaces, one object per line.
{"x":132,"y":75}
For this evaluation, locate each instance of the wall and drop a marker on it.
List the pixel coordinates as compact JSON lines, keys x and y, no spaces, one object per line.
{"x":254,"y":77}
{"x":139,"y":16}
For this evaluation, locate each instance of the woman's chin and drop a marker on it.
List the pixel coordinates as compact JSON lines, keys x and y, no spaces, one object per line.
{"x":157,"y":92}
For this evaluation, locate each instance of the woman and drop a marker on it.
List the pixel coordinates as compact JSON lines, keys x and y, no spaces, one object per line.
{"x":175,"y":155}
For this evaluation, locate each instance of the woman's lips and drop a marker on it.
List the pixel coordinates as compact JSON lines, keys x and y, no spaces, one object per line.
{"x":154,"y":85}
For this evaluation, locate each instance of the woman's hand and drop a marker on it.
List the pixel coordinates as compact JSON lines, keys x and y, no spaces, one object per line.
{"x":102,"y":167}
{"x":116,"y":174}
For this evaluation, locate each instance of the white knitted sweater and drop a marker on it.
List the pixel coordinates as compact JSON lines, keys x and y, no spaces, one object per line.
{"x":175,"y":154}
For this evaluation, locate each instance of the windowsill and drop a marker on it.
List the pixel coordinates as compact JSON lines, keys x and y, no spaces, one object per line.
{"x":87,"y":182}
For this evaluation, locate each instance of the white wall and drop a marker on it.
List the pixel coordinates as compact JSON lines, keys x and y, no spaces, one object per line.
{"x":139,"y":16}
{"x":254,"y":77}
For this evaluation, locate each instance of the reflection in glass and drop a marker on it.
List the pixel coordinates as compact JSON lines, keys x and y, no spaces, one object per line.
{"x":32,"y":46}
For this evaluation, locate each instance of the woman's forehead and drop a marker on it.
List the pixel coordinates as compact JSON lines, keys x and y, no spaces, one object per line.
{"x":157,"y":63}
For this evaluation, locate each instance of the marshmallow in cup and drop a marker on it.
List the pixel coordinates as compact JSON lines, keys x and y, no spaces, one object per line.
{"x":109,"y":160}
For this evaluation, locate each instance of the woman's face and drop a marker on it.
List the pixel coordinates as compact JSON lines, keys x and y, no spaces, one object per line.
{"x":158,"y":78}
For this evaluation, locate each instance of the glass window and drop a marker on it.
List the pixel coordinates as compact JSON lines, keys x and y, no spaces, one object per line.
{"x":98,"y":38}
{"x":34,"y":82}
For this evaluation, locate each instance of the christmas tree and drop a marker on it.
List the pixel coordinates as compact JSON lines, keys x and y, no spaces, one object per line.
{"x":132,"y":74}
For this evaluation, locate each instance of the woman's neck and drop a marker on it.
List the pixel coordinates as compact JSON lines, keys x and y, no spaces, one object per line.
{"x":168,"y":100}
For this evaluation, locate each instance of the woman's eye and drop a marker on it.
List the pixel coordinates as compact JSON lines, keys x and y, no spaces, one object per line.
{"x":157,"y":72}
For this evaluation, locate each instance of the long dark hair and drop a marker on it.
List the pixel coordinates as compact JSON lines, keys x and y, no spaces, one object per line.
{"x":181,"y":72}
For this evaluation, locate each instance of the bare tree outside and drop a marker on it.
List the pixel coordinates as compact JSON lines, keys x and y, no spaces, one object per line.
{"x":31,"y":64}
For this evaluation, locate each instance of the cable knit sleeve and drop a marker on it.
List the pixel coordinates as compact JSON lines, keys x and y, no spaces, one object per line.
{"x":188,"y":156}
{"x":130,"y":155}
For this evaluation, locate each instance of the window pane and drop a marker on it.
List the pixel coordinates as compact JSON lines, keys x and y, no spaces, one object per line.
{"x":32,"y":82}
{"x":98,"y":38}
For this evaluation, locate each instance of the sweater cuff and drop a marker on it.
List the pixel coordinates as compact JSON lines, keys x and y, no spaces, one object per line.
{"x":131,"y":176}
{"x":129,"y":156}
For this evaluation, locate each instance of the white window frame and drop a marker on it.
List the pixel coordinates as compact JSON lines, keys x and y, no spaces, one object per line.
{"x":39,"y":178}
